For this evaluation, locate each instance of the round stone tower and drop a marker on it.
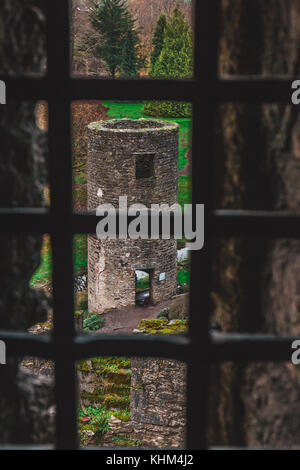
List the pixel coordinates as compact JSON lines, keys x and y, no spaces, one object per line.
{"x":137,"y":159}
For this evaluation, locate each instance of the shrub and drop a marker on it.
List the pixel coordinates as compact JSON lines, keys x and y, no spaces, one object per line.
{"x":93,"y":322}
{"x":163,"y":313}
{"x":99,"y":422}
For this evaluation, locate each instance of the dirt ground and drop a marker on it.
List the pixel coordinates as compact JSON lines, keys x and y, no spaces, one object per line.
{"x":126,"y":320}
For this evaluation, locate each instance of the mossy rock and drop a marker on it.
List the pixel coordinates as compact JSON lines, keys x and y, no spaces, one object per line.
{"x":120,"y":377}
{"x":162,"y":326}
{"x":164,"y":314}
{"x":117,"y":389}
{"x":124,"y":440}
{"x":114,"y":401}
{"x":105,"y":365}
{"x":111,"y":363}
{"x":179,"y":308}
{"x":93,"y":397}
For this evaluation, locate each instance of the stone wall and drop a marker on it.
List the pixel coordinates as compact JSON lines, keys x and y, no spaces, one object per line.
{"x":114,"y":148}
{"x":158,"y":402}
{"x":26,"y":401}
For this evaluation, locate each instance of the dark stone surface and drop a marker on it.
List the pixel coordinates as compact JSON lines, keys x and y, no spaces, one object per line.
{"x":25,"y":401}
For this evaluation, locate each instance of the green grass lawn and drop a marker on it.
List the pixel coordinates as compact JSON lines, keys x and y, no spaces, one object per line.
{"x":117,"y":110}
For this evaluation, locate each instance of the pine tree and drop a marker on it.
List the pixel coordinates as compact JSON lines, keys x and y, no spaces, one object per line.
{"x":112,"y":20}
{"x":158,"y":40}
{"x":175,"y":61}
{"x":130,"y":60}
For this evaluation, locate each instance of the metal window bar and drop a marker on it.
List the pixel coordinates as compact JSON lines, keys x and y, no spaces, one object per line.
{"x":199,"y":348}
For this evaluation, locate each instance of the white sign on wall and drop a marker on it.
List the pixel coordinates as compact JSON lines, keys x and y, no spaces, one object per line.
{"x":162,"y":277}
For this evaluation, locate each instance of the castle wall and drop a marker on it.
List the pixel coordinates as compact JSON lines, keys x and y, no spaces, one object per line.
{"x":158,"y":402}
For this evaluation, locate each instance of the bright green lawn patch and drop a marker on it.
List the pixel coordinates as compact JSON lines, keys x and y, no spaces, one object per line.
{"x":124,"y":110}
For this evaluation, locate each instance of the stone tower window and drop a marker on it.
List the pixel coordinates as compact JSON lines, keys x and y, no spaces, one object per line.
{"x":144,"y":165}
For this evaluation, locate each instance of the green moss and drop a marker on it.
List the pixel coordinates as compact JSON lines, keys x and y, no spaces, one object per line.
{"x":162,"y":326}
{"x":108,"y":366}
{"x":120,"y":377}
{"x":114,"y":401}
{"x":121,"y":390}
{"x":111,"y":363}
{"x":93,"y":396}
{"x":122,"y":415}
{"x":126,"y":441}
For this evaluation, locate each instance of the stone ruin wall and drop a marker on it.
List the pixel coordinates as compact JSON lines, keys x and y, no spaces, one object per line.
{"x":158,"y":402}
{"x":112,"y":266}
{"x":113,"y":147}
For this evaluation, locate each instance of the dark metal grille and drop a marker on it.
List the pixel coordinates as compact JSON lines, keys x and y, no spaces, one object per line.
{"x":199,"y":348}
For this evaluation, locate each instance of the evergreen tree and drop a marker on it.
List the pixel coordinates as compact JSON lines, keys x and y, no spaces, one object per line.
{"x":130,"y":60}
{"x":175,"y":61}
{"x":158,"y":40}
{"x":112,"y":20}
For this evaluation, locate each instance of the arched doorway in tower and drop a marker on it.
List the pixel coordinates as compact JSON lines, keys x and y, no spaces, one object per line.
{"x":144,"y":286}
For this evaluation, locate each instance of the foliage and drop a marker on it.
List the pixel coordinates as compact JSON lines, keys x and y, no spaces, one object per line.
{"x":99,"y":419}
{"x":112,"y":20}
{"x":183,"y":276}
{"x":125,"y":440}
{"x":129,"y":60}
{"x":93,"y":322}
{"x":176,"y":57}
{"x":111,"y":363}
{"x":123,"y":415}
{"x":157,"y":42}
{"x":175,"y":61}
{"x":132,"y":59}
{"x":143,"y":283}
{"x":164,"y":313}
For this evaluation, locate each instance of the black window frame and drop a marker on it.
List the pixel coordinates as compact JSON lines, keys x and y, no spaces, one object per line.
{"x":200,"y":347}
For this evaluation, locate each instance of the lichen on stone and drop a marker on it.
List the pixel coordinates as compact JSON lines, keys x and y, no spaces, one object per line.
{"x":162,"y":326}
